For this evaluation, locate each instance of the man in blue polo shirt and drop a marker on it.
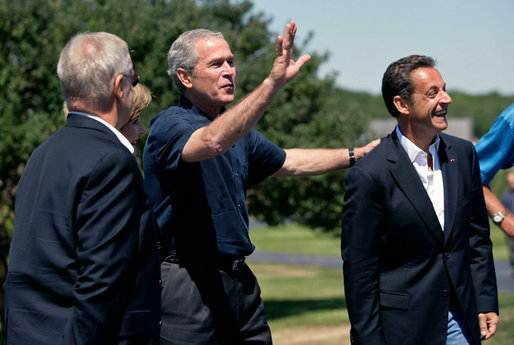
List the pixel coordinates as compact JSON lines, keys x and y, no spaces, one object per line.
{"x":496,"y":151}
{"x":199,"y":159}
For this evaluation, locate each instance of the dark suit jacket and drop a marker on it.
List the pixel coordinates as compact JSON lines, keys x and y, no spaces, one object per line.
{"x":83,"y":264}
{"x":400,"y":268}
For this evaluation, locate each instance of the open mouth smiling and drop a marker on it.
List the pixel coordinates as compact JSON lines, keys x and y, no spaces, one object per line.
{"x":441,"y":113}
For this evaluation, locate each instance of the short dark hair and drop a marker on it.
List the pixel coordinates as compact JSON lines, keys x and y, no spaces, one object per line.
{"x":397,"y":81}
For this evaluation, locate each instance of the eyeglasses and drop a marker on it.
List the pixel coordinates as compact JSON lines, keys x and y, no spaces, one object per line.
{"x":135,"y":80}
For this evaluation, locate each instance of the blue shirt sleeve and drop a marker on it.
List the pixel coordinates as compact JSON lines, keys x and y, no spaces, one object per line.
{"x":264,"y":157}
{"x":496,"y":148}
{"x":169,"y":133}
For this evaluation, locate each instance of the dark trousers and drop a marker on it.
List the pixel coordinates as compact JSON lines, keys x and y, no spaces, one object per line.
{"x":208,"y":306}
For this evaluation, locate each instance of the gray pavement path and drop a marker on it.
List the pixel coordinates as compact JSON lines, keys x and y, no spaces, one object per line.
{"x":503,"y":272}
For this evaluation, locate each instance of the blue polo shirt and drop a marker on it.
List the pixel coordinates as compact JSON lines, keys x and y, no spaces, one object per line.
{"x":201,"y":207}
{"x":496,"y":148}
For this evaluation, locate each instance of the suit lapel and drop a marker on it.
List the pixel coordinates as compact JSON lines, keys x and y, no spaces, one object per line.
{"x":407,"y":179}
{"x":449,"y":169}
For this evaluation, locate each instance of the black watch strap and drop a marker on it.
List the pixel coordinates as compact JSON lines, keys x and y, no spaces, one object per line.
{"x":352,"y":156}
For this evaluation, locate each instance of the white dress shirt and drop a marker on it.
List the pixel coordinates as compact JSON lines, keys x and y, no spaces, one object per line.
{"x":432,"y":180}
{"x":118,"y":134}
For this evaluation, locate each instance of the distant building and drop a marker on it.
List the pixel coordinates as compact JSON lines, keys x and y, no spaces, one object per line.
{"x":459,"y":127}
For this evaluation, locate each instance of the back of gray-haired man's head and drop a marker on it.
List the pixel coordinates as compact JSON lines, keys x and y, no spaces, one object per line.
{"x":183,"y":54}
{"x":88,"y":65}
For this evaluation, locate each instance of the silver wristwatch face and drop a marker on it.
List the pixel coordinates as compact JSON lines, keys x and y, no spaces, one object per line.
{"x":498,"y":217}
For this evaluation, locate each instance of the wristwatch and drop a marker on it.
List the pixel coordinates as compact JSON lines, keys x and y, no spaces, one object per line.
{"x":352,"y":156}
{"x":498,"y":217}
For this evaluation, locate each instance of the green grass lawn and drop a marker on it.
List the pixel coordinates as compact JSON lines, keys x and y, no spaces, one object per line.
{"x":303,"y":302}
{"x":297,"y":239}
{"x":306,"y":305}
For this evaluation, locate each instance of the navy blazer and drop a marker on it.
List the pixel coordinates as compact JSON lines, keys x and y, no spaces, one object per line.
{"x":83,"y":263}
{"x":400,"y":268}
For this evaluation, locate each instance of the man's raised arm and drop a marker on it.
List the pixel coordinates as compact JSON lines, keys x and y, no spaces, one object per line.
{"x":232,"y":125}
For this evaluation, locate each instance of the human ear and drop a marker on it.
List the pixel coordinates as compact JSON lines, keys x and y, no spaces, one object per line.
{"x":118,"y":87}
{"x":401,"y":105}
{"x":184,"y":77}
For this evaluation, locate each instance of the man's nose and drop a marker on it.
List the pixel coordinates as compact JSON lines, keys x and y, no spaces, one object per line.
{"x":228,"y":68}
{"x":445,"y":98}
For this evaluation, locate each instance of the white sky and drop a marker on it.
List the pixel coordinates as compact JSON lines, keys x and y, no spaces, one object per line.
{"x":471,"y":40}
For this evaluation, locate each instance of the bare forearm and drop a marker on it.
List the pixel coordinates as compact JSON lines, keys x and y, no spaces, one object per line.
{"x":494,"y":205}
{"x":228,"y":128}
{"x":240,"y":119}
{"x":309,"y":162}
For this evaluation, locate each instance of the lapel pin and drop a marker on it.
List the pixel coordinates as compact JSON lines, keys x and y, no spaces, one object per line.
{"x":452,"y":160}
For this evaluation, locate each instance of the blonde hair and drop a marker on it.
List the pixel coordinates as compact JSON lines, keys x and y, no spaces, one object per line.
{"x":142,"y":99}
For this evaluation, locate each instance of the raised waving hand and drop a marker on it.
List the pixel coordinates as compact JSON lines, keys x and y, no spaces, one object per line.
{"x":284,"y":67}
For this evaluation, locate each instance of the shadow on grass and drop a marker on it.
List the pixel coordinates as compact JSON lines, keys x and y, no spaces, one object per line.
{"x":277,"y":309}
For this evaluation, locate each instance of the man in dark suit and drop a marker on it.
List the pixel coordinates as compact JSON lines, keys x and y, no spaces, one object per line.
{"x":418,"y":266}
{"x":84,"y":264}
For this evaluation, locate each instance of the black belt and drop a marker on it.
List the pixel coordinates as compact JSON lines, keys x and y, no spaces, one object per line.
{"x":220,"y":263}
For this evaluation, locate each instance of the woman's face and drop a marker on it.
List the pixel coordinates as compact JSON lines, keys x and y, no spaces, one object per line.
{"x":133,"y":129}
